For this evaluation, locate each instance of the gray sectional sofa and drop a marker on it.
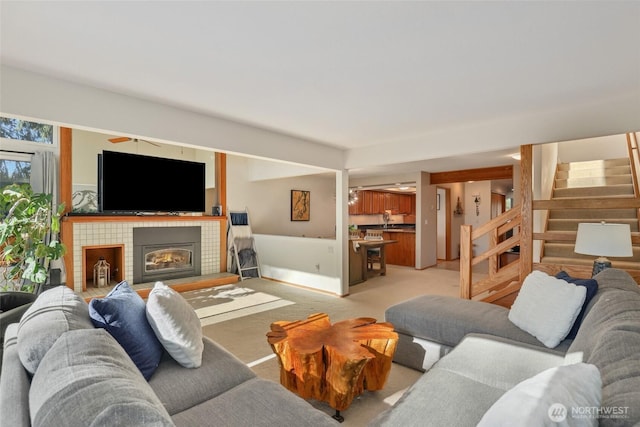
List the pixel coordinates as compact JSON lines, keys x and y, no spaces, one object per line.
{"x":59,"y":370}
{"x":481,"y":368}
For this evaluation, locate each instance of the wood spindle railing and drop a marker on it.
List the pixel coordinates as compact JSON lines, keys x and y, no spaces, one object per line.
{"x":634,"y":160}
{"x":499,"y":275}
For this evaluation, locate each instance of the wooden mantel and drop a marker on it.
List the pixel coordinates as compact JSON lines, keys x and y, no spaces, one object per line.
{"x":138,"y":218}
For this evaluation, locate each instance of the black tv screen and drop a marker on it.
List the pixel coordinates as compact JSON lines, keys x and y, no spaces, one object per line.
{"x":133,"y":183}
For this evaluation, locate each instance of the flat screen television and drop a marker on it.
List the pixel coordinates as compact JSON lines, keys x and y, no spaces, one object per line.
{"x":133,"y":183}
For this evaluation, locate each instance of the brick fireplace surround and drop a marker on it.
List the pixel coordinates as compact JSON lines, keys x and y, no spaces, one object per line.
{"x":79,"y":232}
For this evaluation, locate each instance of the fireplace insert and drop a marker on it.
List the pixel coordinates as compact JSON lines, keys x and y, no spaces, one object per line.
{"x":162,"y":253}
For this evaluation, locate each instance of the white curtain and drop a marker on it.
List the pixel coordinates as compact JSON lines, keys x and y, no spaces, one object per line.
{"x":44,"y":174}
{"x":44,"y":179}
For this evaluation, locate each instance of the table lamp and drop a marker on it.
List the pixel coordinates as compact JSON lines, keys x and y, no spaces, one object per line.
{"x":603,"y":240}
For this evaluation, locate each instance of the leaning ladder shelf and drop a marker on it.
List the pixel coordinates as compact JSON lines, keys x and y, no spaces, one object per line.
{"x":242,"y":246}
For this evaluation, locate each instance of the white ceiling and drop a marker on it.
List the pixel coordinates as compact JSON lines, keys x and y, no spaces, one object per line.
{"x":351,"y":74}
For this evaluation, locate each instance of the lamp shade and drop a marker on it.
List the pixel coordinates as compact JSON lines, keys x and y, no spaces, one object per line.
{"x":604,"y":240}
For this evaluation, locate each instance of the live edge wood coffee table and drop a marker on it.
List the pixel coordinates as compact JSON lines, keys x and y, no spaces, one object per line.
{"x":333,"y":363}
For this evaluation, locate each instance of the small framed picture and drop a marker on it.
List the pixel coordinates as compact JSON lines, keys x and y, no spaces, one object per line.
{"x":300,"y":205}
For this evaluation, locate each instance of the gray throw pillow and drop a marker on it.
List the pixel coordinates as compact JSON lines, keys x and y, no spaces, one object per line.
{"x":176,"y":325}
{"x":53,"y":313}
{"x":87,"y":379}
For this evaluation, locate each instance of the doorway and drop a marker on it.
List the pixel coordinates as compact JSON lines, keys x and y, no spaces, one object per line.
{"x":443,"y":208}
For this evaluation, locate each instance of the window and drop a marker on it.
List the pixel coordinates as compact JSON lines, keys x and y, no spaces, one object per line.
{"x":14,"y":168}
{"x":22,"y":130}
{"x":18,"y":140}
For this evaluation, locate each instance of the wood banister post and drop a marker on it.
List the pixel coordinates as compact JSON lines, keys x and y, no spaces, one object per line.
{"x":466,"y":254}
{"x":526,"y":211}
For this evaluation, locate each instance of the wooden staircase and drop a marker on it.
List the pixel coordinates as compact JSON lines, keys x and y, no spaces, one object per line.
{"x":589,"y":180}
{"x":583,"y":192}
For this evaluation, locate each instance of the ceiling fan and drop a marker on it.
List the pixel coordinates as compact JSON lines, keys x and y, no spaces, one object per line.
{"x":125,"y":139}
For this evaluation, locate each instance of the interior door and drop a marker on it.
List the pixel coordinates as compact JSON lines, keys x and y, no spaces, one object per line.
{"x":498,"y":204}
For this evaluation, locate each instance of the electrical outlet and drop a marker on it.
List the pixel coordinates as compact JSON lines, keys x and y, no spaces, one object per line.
{"x":330,"y":249}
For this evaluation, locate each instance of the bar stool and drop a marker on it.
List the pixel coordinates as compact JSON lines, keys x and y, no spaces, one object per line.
{"x":373,"y":254}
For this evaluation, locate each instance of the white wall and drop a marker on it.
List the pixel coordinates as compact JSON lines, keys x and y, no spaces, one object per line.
{"x":361,"y":220}
{"x":611,"y":116}
{"x":306,"y":253}
{"x":608,"y":147}
{"x":517,"y":185}
{"x":426,"y":223}
{"x":483,"y":215}
{"x":455,"y":190}
{"x":87,"y":145}
{"x":545,"y":161}
{"x":269,"y":169}
{"x":49,"y":100}
{"x":311,"y":263}
{"x":269,"y":201}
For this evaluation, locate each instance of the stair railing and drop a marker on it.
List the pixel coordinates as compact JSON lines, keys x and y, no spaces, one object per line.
{"x":634,"y":160}
{"x":504,"y":281}
{"x":500,"y":274}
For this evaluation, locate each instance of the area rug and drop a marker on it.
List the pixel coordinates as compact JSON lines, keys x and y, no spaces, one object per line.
{"x":222,"y":303}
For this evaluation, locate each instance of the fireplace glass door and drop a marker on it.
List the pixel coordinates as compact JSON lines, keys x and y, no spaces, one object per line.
{"x":167,"y":259}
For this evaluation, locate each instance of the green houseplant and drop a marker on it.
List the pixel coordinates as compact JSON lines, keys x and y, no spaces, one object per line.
{"x":27,"y":218}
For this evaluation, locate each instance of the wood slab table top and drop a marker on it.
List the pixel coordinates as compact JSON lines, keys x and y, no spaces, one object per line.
{"x":333,"y":362}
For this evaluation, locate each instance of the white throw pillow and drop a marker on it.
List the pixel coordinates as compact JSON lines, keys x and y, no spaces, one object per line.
{"x":567,"y":395}
{"x":546,"y":307}
{"x":176,"y":325}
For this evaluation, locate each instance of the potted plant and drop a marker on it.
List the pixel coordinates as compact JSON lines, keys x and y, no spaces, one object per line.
{"x":27,"y":219}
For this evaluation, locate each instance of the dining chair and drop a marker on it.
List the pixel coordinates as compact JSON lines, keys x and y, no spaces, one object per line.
{"x":373,"y":254}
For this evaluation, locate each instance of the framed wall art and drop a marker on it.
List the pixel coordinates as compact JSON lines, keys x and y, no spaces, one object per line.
{"x":300,"y":205}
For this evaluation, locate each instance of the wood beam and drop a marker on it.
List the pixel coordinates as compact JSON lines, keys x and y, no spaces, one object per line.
{"x":526,"y":211}
{"x":221,"y":188}
{"x":221,"y":181}
{"x":66,"y":177}
{"x":481,"y":174}
{"x":66,"y":197}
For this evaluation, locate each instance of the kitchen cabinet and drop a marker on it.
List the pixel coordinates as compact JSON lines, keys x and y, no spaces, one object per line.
{"x":357,"y":208}
{"x":377,"y":206}
{"x":404,"y":205}
{"x":377,"y":202}
{"x":404,"y":251}
{"x":391,"y":203}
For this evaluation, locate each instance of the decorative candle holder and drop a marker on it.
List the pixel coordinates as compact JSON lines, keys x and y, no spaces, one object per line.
{"x":101,"y":273}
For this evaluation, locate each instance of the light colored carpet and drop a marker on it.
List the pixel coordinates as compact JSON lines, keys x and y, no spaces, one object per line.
{"x":245,"y":336}
{"x":229,"y":302}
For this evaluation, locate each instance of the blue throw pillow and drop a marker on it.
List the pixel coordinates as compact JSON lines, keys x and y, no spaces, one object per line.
{"x":592,"y":289}
{"x":123,"y":314}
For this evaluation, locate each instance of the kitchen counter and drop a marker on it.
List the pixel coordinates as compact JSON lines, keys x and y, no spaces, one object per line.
{"x":402,"y":253}
{"x":399,"y":228}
